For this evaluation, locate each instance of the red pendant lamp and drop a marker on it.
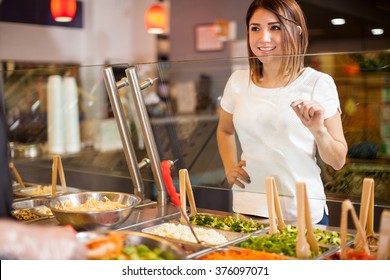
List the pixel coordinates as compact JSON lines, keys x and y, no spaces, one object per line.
{"x":156,"y":19}
{"x":63,"y":10}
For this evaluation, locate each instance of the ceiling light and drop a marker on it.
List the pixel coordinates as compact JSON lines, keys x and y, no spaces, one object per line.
{"x":156,"y":19}
{"x":63,"y":10}
{"x":338,"y":21}
{"x":377,"y":31}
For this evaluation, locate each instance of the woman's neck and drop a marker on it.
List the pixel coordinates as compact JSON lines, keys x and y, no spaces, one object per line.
{"x":272,"y":78}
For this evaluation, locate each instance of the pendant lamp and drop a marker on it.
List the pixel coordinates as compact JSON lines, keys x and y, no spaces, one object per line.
{"x":156,"y":19}
{"x":63,"y":10}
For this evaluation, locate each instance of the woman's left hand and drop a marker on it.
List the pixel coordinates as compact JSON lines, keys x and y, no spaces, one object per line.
{"x":310,"y":113}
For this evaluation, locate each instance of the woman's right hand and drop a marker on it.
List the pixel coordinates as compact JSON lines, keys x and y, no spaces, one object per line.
{"x":237,"y":174}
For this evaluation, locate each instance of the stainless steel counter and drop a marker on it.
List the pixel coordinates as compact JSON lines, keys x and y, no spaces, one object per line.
{"x":145,"y":215}
{"x":141,"y":215}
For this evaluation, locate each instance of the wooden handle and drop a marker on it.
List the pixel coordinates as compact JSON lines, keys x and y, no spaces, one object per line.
{"x":302,"y":246}
{"x":366,"y":214}
{"x":17,"y":175}
{"x":384,"y":237}
{"x":182,"y":184}
{"x":370,"y":214}
{"x":305,"y":223}
{"x":270,"y":180}
{"x":309,"y":227}
{"x":190,"y":194}
{"x":271,"y":205}
{"x":278,"y":210}
{"x":186,"y":189}
{"x":54,"y":176}
{"x":346,"y":207}
{"x":62,"y":175}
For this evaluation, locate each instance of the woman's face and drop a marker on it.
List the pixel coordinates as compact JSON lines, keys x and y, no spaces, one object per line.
{"x":265,"y":35}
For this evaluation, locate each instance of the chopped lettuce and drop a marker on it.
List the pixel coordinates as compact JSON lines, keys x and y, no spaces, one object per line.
{"x":229,"y":223}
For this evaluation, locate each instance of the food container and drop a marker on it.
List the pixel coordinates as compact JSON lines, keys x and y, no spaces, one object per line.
{"x":99,"y":245}
{"x":191,"y":249}
{"x":16,"y":186}
{"x":372,"y":243}
{"x":42,"y":210}
{"x":35,"y":205}
{"x":237,"y":223}
{"x":40,"y":190}
{"x":282,"y":243}
{"x":351,"y":254}
{"x":181,"y":231}
{"x":29,"y":203}
{"x":27,"y":215}
{"x":234,"y":253}
{"x":94,"y":219}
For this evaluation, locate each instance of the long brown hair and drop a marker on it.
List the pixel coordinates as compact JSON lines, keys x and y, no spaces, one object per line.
{"x":294,"y":34}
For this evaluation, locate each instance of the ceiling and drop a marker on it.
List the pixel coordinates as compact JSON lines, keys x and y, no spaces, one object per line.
{"x":360,"y":15}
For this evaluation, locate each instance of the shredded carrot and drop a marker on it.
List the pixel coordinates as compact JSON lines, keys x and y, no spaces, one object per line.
{"x":243,"y":254}
{"x":112,"y":244}
{"x":117,"y":239}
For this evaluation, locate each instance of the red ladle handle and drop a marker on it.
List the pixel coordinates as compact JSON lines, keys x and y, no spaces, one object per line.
{"x":166,"y":173}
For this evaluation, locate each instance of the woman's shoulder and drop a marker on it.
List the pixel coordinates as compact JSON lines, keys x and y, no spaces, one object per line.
{"x":315,"y":75}
{"x":313,"y":78}
{"x":239,"y":80}
{"x":240,"y":74}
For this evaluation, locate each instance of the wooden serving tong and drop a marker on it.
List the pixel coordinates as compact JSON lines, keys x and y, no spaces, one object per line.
{"x":175,"y":197}
{"x":361,"y":234}
{"x":17,"y":175}
{"x":186,"y":190}
{"x":273,"y":206}
{"x":384,"y":237}
{"x":366,"y":215}
{"x":306,"y":242}
{"x":57,"y":167}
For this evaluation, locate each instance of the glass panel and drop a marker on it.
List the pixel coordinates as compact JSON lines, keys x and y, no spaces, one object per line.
{"x":186,"y":119}
{"x":183,"y":106}
{"x":96,"y":160}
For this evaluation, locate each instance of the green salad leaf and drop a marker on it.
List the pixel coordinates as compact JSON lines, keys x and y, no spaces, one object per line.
{"x":229,"y":223}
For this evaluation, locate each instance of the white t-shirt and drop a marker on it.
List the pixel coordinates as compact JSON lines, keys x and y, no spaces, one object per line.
{"x":276,"y":143}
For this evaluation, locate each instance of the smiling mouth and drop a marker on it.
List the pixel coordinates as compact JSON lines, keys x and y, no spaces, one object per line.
{"x":266,"y":49}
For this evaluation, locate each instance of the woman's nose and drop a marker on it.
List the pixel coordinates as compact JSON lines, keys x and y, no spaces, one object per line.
{"x":265,"y":36}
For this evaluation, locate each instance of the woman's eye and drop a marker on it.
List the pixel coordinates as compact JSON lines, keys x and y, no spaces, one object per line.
{"x":255,"y":28}
{"x":275,"y":27}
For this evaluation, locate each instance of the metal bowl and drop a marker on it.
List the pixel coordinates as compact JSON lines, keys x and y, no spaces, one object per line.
{"x":169,"y":250}
{"x":93,"y":220}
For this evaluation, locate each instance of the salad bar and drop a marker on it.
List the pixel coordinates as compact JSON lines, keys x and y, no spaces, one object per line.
{"x":114,"y":225}
{"x":154,"y":232}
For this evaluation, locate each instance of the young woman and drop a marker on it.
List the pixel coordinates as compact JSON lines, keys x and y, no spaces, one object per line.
{"x":283,"y":114}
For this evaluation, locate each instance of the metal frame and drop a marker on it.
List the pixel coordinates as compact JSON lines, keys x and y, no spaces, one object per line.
{"x":112,"y":88}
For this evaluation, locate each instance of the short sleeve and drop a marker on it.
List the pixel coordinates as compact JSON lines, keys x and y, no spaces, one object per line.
{"x":232,"y":88}
{"x":325,"y":92}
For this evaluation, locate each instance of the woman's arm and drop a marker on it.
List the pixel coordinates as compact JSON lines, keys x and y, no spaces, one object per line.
{"x":328,"y":134}
{"x":235,"y":174}
{"x":331,"y":143}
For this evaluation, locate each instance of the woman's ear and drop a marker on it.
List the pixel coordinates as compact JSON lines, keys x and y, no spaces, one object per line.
{"x":299,"y":29}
